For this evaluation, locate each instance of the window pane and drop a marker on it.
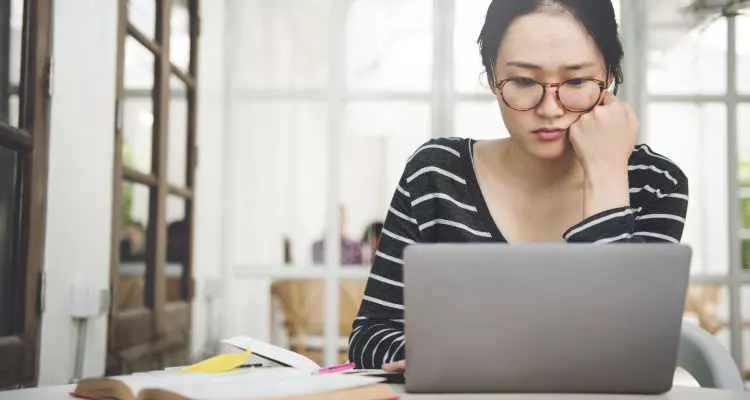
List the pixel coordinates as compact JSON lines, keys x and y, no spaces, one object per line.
{"x":8,"y":215}
{"x":745,"y":294}
{"x":685,"y":61}
{"x":16,"y":41}
{"x":142,"y":14}
{"x":743,"y":54}
{"x":179,"y":45}
{"x":377,"y":140}
{"x":281,"y":148}
{"x":178,"y":133}
{"x":139,"y":66}
{"x":743,"y":158}
{"x":470,"y":75}
{"x":694,"y":137}
{"x":284,"y":43}
{"x":389,"y":45}
{"x":297,"y":309}
{"x":138,"y":108}
{"x":13,"y":110}
{"x":708,"y":306}
{"x":178,"y":247}
{"x":480,"y":120}
{"x":134,"y":244}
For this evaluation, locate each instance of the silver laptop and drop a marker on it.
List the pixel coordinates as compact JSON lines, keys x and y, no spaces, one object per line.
{"x":552,"y":318}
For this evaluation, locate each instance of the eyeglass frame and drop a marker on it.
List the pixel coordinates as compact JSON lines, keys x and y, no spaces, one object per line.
{"x":545,"y":85}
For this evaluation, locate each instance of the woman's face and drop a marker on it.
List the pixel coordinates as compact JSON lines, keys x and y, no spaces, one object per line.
{"x":549,"y":47}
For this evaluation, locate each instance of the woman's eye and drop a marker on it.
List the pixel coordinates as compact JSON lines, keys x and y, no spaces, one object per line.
{"x":526,"y":82}
{"x":575,"y":82}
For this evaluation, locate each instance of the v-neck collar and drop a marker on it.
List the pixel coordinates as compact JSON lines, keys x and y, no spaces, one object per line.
{"x":482,"y":208}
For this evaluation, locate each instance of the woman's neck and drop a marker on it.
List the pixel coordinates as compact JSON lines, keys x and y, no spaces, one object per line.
{"x":534,"y":174}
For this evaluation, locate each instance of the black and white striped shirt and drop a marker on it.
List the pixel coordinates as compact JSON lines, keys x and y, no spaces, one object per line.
{"x":438,"y":200}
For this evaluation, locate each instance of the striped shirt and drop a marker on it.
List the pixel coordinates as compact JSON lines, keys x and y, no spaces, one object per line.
{"x":438,"y":200}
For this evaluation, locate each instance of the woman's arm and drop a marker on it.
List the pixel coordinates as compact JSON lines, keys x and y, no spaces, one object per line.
{"x":378,"y":337}
{"x":660,"y":220}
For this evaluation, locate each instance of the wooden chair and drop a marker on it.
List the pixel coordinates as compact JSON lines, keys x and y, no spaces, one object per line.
{"x":301,"y":302}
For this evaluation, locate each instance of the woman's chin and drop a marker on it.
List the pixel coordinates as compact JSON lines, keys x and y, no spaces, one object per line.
{"x":550,"y":150}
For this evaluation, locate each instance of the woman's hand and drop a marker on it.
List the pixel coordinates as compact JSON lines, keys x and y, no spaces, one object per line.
{"x":396,"y":366}
{"x":604,"y":138}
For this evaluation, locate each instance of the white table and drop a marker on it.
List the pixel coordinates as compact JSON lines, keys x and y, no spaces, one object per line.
{"x":678,"y":393}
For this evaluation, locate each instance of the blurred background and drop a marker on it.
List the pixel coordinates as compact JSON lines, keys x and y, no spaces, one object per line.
{"x":204,"y":169}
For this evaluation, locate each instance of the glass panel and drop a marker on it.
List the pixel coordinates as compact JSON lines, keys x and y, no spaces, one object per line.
{"x":480,"y":120}
{"x":179,"y":45}
{"x":297,"y":307}
{"x":138,"y":108}
{"x":290,"y":39}
{"x":134,"y":244}
{"x":142,"y":14}
{"x":708,"y":306}
{"x":745,"y":305}
{"x":178,"y":247}
{"x":378,"y":138}
{"x":297,"y":314}
{"x":281,"y":147}
{"x":389,"y":45}
{"x":743,"y":158}
{"x":694,"y":137}
{"x":469,"y":73}
{"x":8,"y":214}
{"x":139,"y":66}
{"x":16,"y":41}
{"x":350,"y":296}
{"x":743,"y":53}
{"x":13,"y":110}
{"x":177,"y":160}
{"x":687,"y":61}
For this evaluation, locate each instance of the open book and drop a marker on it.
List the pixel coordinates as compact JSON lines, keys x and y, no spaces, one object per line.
{"x":296,"y":378}
{"x":241,"y":384}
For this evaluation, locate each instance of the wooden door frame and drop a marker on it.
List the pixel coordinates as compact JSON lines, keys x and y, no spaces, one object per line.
{"x":159,"y":326}
{"x":19,"y":365}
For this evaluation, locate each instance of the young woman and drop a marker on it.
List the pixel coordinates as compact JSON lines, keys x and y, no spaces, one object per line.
{"x":570,"y":172}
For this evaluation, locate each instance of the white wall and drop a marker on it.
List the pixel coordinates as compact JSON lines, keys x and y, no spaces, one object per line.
{"x":79,"y":192}
{"x":208,"y":259}
{"x":80,"y":179}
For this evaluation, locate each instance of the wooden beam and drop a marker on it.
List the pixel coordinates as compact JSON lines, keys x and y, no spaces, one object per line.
{"x":136,"y":33}
{"x":136,"y":176}
{"x":185,"y":193}
{"x":15,"y":138}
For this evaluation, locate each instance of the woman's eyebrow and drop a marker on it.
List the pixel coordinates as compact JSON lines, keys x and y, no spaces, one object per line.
{"x":570,"y":67}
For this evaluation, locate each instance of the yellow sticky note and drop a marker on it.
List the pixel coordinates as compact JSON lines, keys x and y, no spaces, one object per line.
{"x":220,"y":363}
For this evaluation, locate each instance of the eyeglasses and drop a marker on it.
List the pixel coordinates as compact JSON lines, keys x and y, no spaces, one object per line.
{"x":574,"y":95}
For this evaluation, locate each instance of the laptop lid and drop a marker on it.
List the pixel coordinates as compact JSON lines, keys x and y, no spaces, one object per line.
{"x":554,"y":318}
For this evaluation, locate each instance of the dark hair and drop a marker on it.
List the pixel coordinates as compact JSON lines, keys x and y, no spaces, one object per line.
{"x":596,"y":16}
{"x":374,"y":229}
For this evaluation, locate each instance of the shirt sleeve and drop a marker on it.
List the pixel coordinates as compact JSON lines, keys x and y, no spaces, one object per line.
{"x":378,"y":331}
{"x":660,"y":220}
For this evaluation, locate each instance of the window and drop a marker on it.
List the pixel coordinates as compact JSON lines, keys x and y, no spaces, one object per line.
{"x":154,"y":184}
{"x":333,"y":97}
{"x":698,"y":116}
{"x":24,"y":50}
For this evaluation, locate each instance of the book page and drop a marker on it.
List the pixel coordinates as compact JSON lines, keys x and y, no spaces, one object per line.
{"x":261,"y":388}
{"x":172,"y":378}
{"x":273,"y":353}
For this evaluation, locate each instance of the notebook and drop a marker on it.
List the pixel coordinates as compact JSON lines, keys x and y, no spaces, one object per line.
{"x":244,"y":384}
{"x":288,"y":358}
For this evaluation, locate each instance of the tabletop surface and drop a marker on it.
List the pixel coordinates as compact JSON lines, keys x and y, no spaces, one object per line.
{"x":678,"y":393}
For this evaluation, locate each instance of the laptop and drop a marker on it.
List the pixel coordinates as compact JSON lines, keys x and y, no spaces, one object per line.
{"x":544,"y":318}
